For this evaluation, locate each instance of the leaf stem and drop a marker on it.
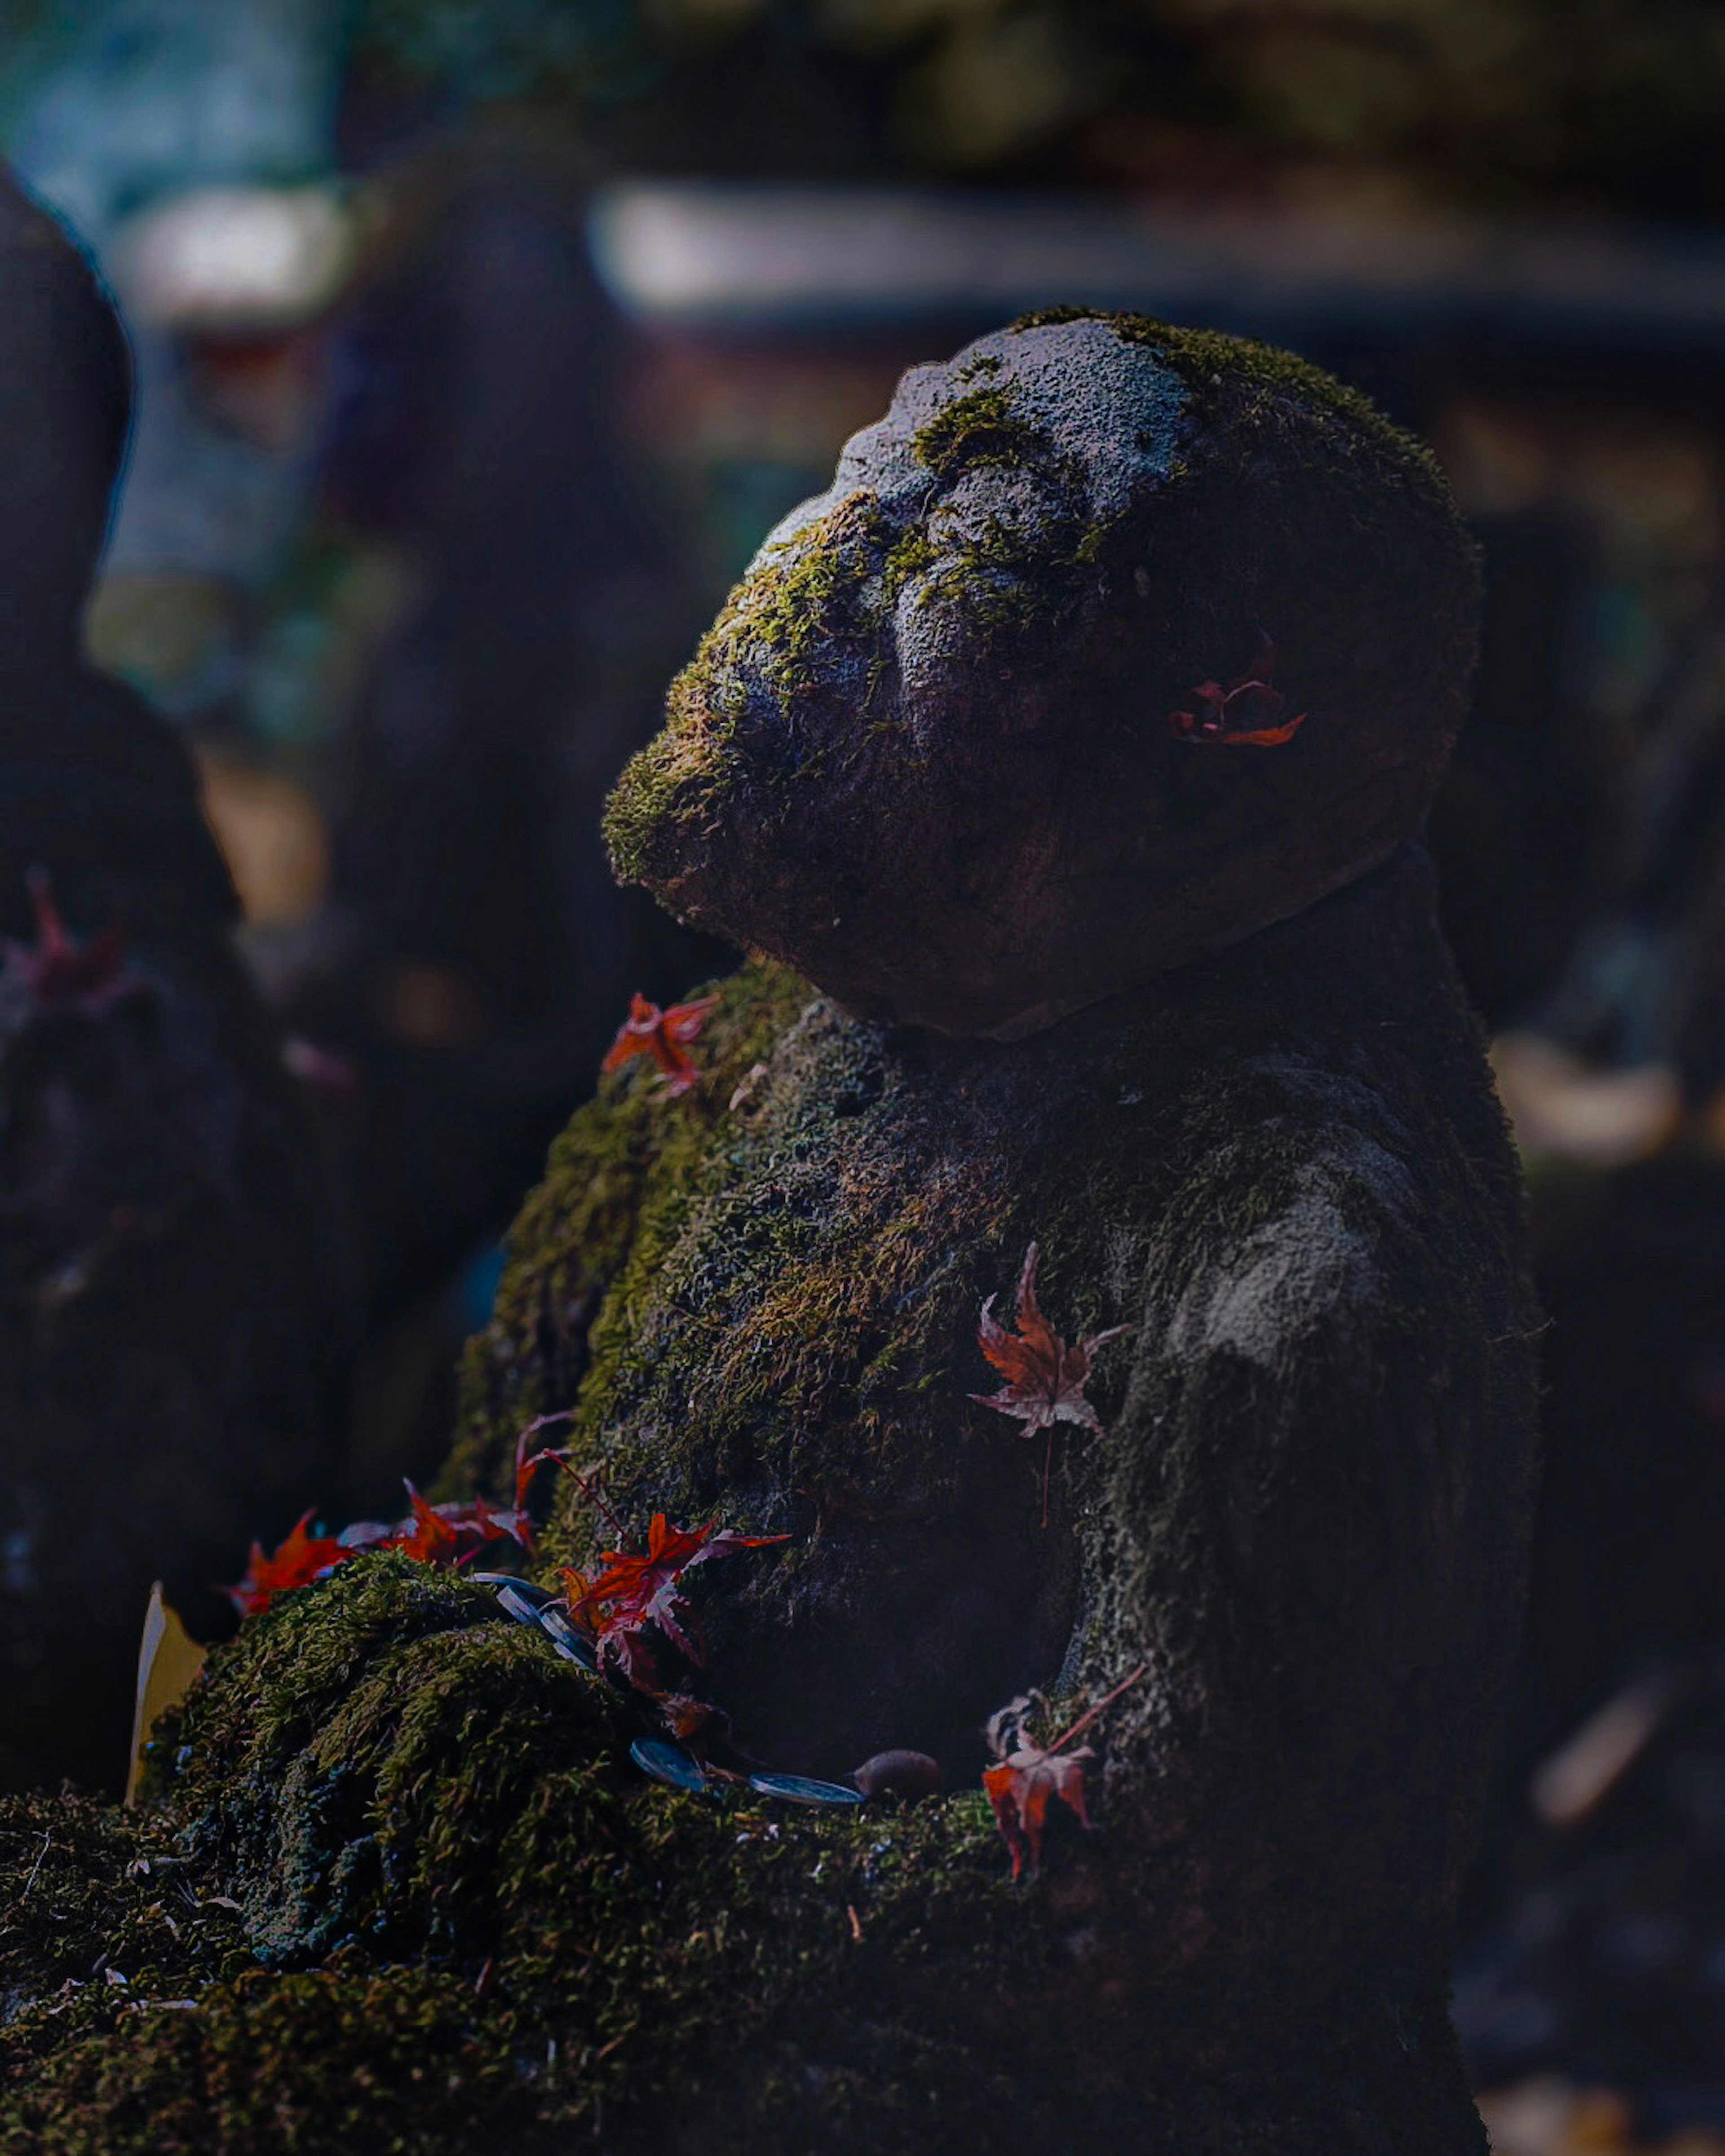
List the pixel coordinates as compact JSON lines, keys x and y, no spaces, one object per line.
{"x":1089,"y":1714}
{"x":594,"y":1499}
{"x":581,"y":1482}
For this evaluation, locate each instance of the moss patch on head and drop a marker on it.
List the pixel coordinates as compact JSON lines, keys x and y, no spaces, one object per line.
{"x":683,"y":765}
{"x":983,"y":426}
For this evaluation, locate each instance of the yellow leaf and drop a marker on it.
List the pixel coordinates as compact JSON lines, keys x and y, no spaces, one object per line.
{"x":169,"y":1660}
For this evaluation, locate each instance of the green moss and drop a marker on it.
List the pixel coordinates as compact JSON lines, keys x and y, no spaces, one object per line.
{"x":102,"y":1912}
{"x":331,"y":2062}
{"x":604,"y":1247}
{"x":584,"y":1237}
{"x":914,"y":551}
{"x":675,"y":772}
{"x":359,"y":1767}
{"x":377,"y":1765}
{"x":793,"y":605}
{"x":1006,"y":580}
{"x":980,"y":427}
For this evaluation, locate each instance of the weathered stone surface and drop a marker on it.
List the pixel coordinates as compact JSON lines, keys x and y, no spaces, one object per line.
{"x":925,"y":756}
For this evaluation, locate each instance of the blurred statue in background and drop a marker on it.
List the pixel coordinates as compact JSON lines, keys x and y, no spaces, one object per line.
{"x":171,"y":1320}
{"x":482,"y":954}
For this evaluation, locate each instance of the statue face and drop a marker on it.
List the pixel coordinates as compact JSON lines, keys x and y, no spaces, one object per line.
{"x":994,"y":727}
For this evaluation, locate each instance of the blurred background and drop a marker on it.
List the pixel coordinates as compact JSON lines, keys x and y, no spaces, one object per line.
{"x":479,"y":345}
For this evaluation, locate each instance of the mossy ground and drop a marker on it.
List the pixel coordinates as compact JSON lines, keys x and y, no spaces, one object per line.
{"x":401,"y":1890}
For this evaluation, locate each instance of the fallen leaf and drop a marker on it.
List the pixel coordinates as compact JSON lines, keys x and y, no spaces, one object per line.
{"x":297,"y":1561}
{"x":1022,"y":1788}
{"x":1029,"y":1777}
{"x":1045,"y":1378}
{"x":169,"y":1660}
{"x":637,"y":1594}
{"x":663,"y":1034}
{"x":1245,"y":713}
{"x":431,"y":1537}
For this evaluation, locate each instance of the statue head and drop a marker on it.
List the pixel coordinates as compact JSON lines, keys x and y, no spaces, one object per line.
{"x":65,"y":402}
{"x":1111,"y":644}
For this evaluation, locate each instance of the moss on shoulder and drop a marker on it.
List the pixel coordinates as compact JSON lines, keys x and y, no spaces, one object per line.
{"x":587,"y":1228}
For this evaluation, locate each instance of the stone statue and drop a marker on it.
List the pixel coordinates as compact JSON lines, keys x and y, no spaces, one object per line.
{"x":1062,"y":767}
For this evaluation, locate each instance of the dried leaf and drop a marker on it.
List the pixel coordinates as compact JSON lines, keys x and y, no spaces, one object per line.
{"x":1022,"y":1788}
{"x":1247,"y":712}
{"x":1045,"y":1378}
{"x":169,"y":1661}
{"x":1029,"y":1777}
{"x":663,"y":1034}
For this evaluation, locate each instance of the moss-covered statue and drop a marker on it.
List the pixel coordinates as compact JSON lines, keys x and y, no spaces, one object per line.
{"x":1061,"y":767}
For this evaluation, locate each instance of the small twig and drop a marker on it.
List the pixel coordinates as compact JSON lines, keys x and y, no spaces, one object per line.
{"x":1089,"y":1714}
{"x":539,"y":1423}
{"x":23,"y":1892}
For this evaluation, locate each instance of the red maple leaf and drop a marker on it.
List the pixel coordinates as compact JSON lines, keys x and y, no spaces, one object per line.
{"x":1245,"y":713}
{"x":295,"y":1561}
{"x":429,"y":1535}
{"x":1045,"y":1378}
{"x":1029,"y":1777}
{"x":663,"y":1034}
{"x":635,"y":1593}
{"x":447,"y":1534}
